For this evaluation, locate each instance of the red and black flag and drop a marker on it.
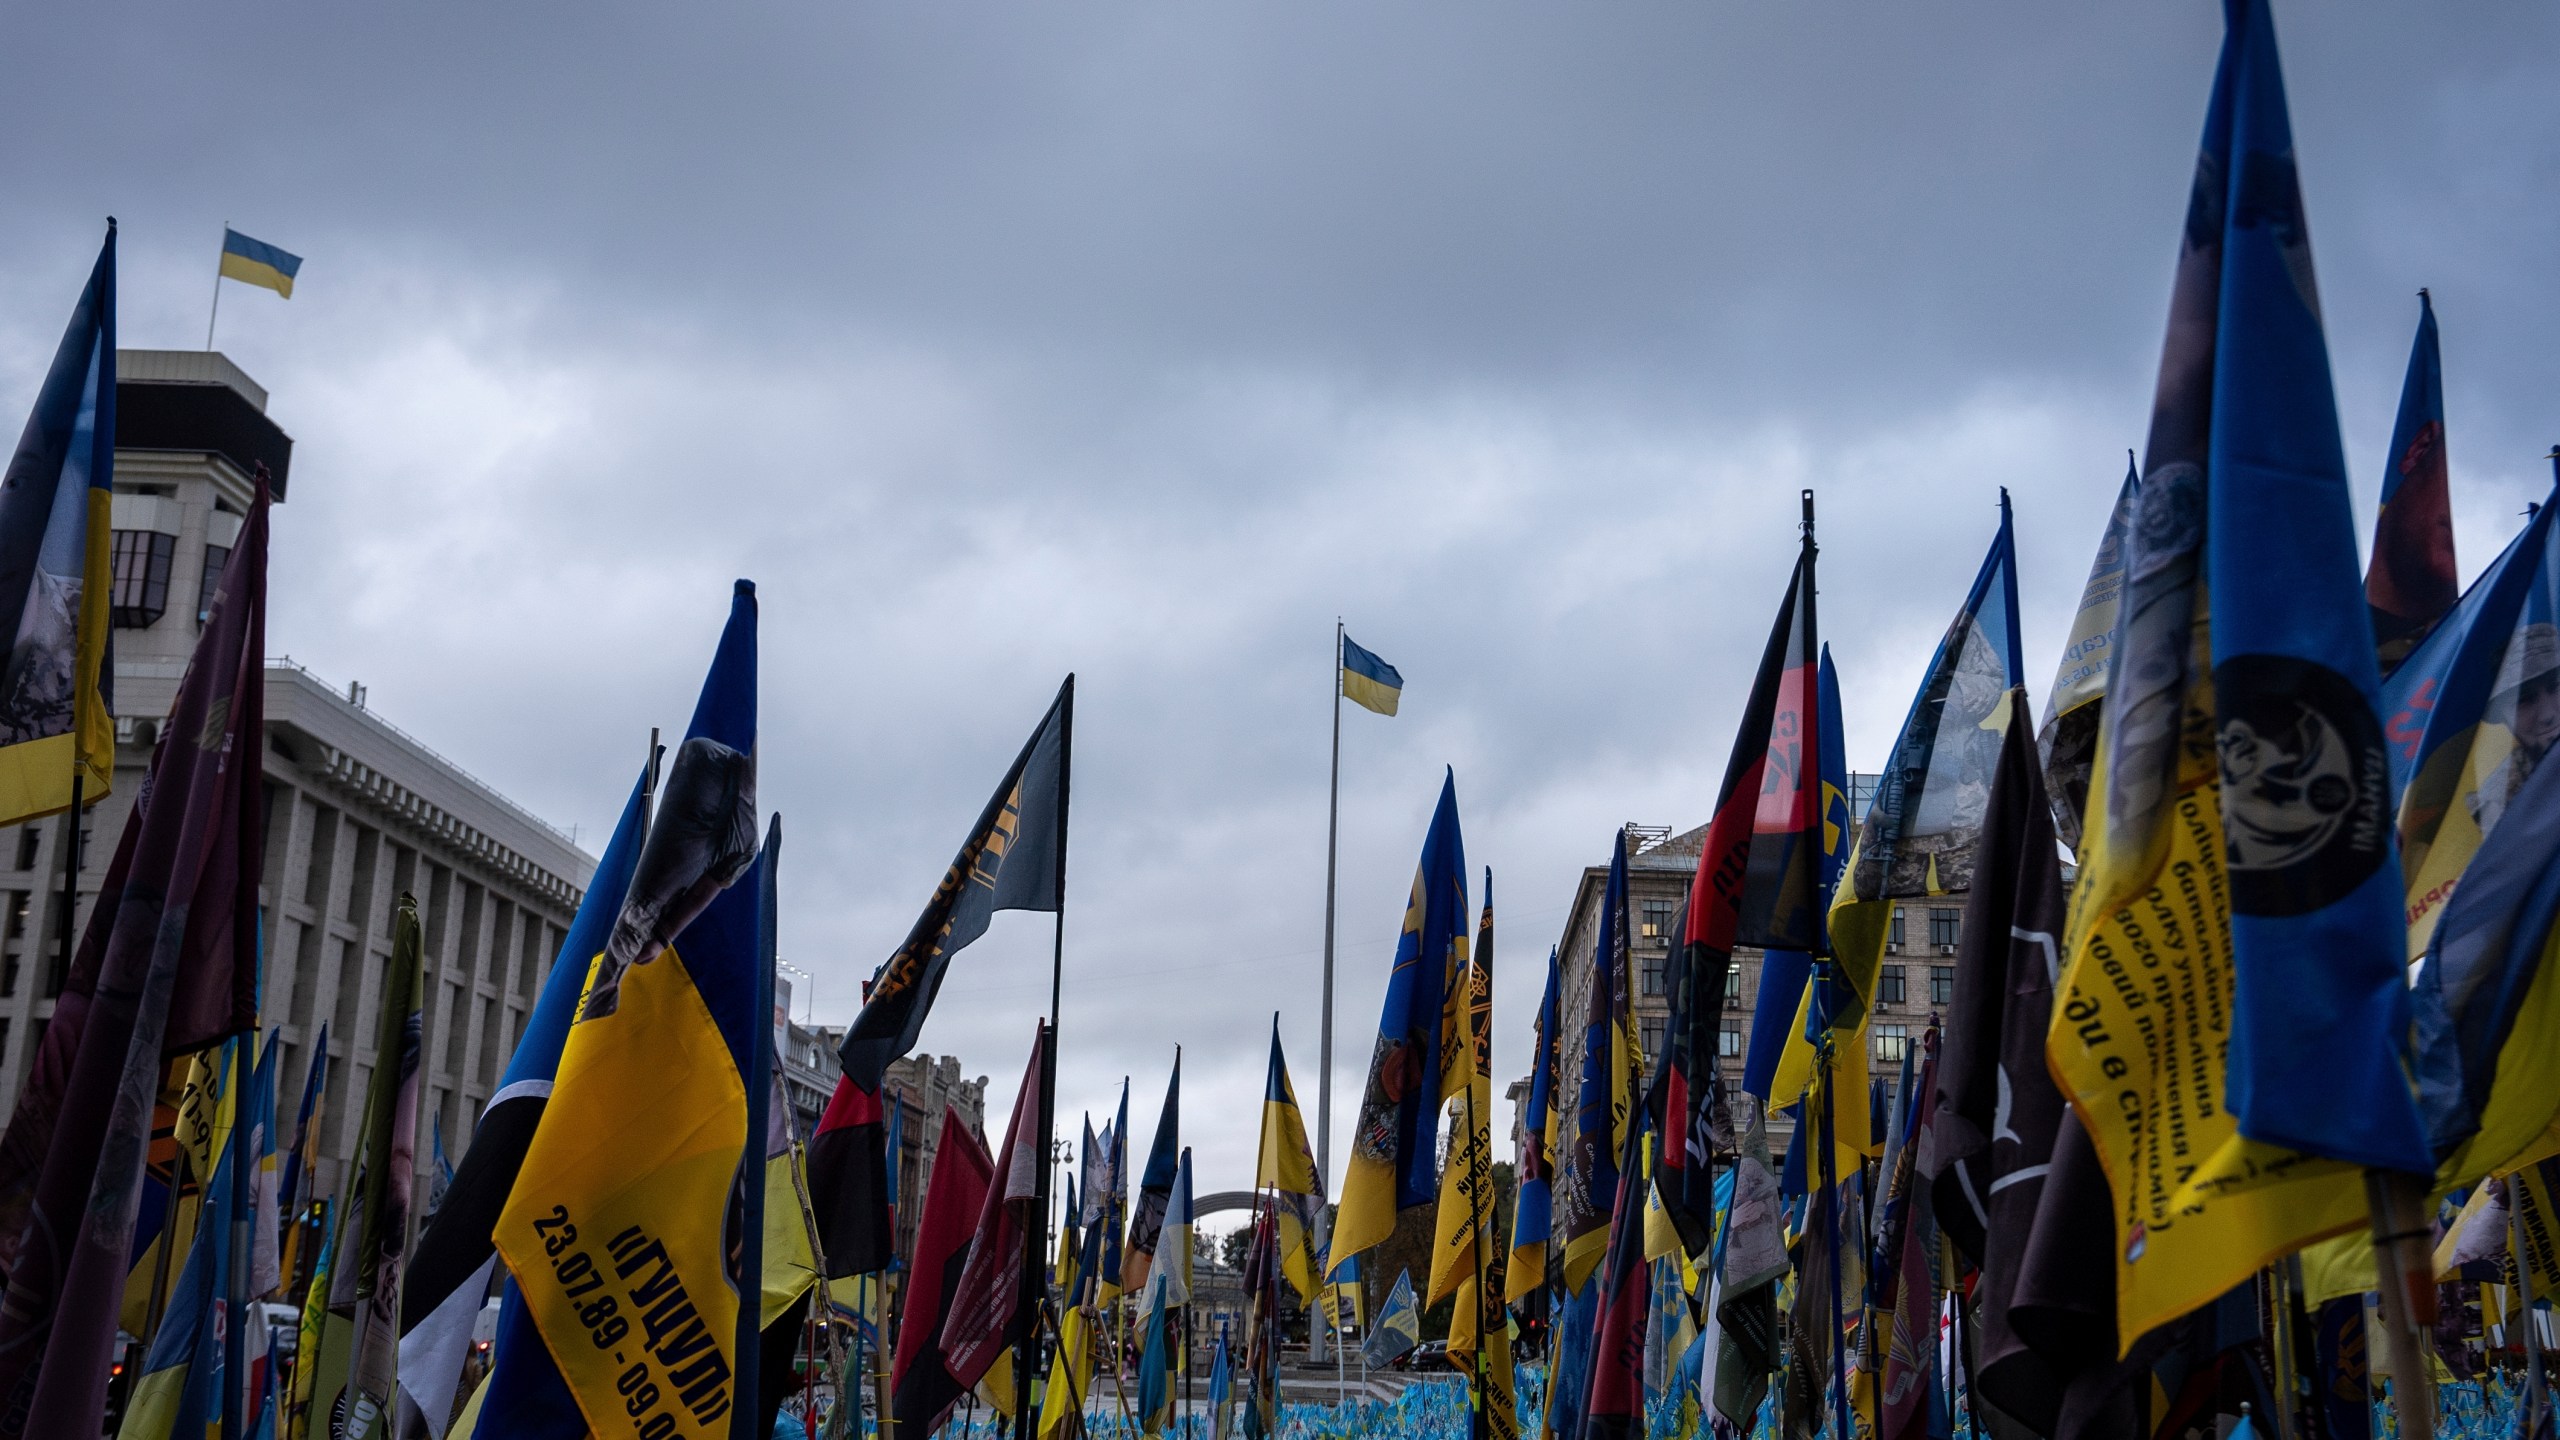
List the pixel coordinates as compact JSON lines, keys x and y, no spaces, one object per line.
{"x":849,"y":1182}
{"x":1014,"y":859}
{"x":1759,"y":873}
{"x":922,"y":1389}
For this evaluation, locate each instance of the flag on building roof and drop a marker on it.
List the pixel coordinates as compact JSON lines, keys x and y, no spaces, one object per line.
{"x":2244,"y":498}
{"x":1014,"y":859}
{"x":655,"y":1129}
{"x":1606,"y":1101}
{"x":71,"y":1163}
{"x":1155,"y":1186}
{"x":1367,"y":681}
{"x":1919,"y":836}
{"x":1533,"y":1196}
{"x":57,"y":732}
{"x":922,"y":1386}
{"x":255,"y":262}
{"x":2068,"y":739}
{"x":2410,"y":582}
{"x":1395,"y":1145}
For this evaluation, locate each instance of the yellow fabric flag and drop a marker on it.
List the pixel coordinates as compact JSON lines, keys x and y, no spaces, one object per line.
{"x":1062,"y":1404}
{"x":1461,"y":1221}
{"x":2138,"y":1042}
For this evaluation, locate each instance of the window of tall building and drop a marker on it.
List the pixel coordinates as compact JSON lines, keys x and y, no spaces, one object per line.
{"x":216,"y":557}
{"x":9,"y":976}
{"x":1652,"y":1031}
{"x":1729,"y":1040}
{"x":1890,"y":989}
{"x":28,"y":840}
{"x":1945,"y":926}
{"x":1654,"y":969}
{"x":140,"y":594}
{"x":1942,"y":984}
{"x":1891,"y":1042}
{"x":1732,"y":985}
{"x":1654,"y":922}
{"x":1893,"y":933}
{"x":18,"y":905}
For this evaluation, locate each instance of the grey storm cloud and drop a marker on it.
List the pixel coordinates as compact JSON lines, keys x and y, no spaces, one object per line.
{"x":1001,"y":340}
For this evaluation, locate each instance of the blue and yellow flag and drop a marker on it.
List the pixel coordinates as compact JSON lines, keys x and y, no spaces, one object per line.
{"x":1606,"y":1106}
{"x":2232,"y":1018}
{"x":1155,"y":1186}
{"x":255,"y":262}
{"x":1115,"y":1204}
{"x":1920,"y":833}
{"x":1287,"y":1166}
{"x":1533,"y":1200}
{"x":56,"y":690}
{"x":1395,"y":1147}
{"x":639,"y":1188}
{"x":1367,"y":681}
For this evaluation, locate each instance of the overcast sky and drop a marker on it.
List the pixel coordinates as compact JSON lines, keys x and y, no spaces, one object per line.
{"x":1143,"y":339}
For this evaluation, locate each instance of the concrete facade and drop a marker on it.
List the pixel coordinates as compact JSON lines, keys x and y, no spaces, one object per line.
{"x":357,"y":810}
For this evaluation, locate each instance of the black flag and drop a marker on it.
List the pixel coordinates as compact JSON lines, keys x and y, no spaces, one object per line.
{"x":1998,"y":1108}
{"x":1011,"y":861}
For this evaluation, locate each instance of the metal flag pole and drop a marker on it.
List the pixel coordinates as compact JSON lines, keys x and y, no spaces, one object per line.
{"x":217,"y":286}
{"x":1332,"y":852}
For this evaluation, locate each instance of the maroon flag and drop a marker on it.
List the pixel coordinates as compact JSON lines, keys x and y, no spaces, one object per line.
{"x":922,"y":1389}
{"x":1613,"y":1401}
{"x":849,"y":1182}
{"x":168,"y":963}
{"x":985,"y":1311}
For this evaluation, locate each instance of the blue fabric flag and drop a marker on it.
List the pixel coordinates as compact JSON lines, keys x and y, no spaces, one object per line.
{"x":1783,"y":972}
{"x":2320,"y":1010}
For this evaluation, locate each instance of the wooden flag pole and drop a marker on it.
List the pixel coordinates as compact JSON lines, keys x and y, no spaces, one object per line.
{"x":2404,"y":1266}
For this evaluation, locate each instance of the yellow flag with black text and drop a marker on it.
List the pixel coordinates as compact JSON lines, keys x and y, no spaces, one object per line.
{"x":619,"y":1229}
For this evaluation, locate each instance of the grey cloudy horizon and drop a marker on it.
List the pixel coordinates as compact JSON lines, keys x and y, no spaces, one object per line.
{"x":1000,"y":341}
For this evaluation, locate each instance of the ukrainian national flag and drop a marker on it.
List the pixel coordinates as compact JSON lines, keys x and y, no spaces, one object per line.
{"x":1532,"y":1202}
{"x":646,"y":1157}
{"x":255,"y":262}
{"x":1394,"y":1163}
{"x":1368,"y":681}
{"x":1286,"y":1165}
{"x":56,"y":689}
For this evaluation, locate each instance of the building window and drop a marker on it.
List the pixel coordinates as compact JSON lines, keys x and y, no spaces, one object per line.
{"x":1654,"y":966}
{"x":1942,"y":984}
{"x":1892,"y":1042}
{"x":9,"y":976}
{"x":1729,"y":1040}
{"x":18,"y":902}
{"x":1893,"y":935}
{"x":1732,"y":986}
{"x":1890,"y":989}
{"x":1656,"y":924}
{"x":216,"y":558}
{"x":1945,"y":926}
{"x":28,"y":840}
{"x":1652,"y":1032}
{"x":141,"y":590}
